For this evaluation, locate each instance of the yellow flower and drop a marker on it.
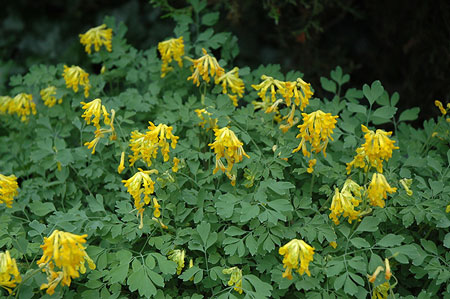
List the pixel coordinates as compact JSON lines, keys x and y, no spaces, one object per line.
{"x":97,"y":36}
{"x":293,"y":252}
{"x":156,"y":206}
{"x":8,"y":189}
{"x":5,"y":101}
{"x":22,"y":105}
{"x":377,"y":190}
{"x":48,"y":96}
{"x":381,"y":291}
{"x":206,"y":119}
{"x":268,"y":83}
{"x":95,"y":109}
{"x":232,"y":80}
{"x":177,"y":256}
{"x":447,"y":209}
{"x":66,"y":252}
{"x":235,"y":278}
{"x":134,"y":187}
{"x":204,"y":67}
{"x":441,"y":107}
{"x":175,"y":166}
{"x":344,"y":203}
{"x":75,"y":76}
{"x":9,"y":273}
{"x":121,"y":165}
{"x":316,"y":129}
{"x":158,"y":220}
{"x":373,"y":277}
{"x":311,"y":164}
{"x":228,"y":146}
{"x":406,"y":183}
{"x":377,"y":148}
{"x":171,"y":49}
{"x":100,"y":133}
{"x":388,"y":273}
{"x":333,"y":244}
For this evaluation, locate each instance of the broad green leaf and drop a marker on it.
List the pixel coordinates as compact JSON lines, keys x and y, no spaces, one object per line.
{"x":356,"y":108}
{"x":328,"y":84}
{"x":211,"y":18}
{"x":359,"y":242}
{"x":368,"y":224}
{"x":409,"y":114}
{"x":373,"y":92}
{"x":447,"y":240}
{"x":139,"y":281}
{"x":385,"y":112}
{"x":390,"y":240}
{"x":42,"y":208}
{"x":203,"y":230}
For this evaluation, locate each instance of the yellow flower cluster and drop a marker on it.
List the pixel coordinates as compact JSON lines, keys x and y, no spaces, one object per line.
{"x":377,"y":148}
{"x":75,"y":76}
{"x":235,"y":278}
{"x":8,"y":189}
{"x":97,"y":37}
{"x":441,"y":107}
{"x":134,"y":187}
{"x":205,"y":116}
{"x":48,"y":95}
{"x":9,"y":273}
{"x":293,"y":252}
{"x":231,"y":79}
{"x":22,"y":105}
{"x":172,"y":49}
{"x":63,"y":259}
{"x":344,"y":202}
{"x":177,"y":256}
{"x":316,"y":129}
{"x":406,"y":183}
{"x":145,"y":146}
{"x":94,"y":111}
{"x":378,"y":189}
{"x":227,"y":145}
{"x":295,"y":93}
{"x":379,"y":269}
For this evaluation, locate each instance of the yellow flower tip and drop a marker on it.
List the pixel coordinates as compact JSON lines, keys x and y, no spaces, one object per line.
{"x":9,"y":273}
{"x":97,"y":37}
{"x":205,"y":67}
{"x":172,"y":49}
{"x":378,"y":189}
{"x":177,"y":256}
{"x":75,"y":76}
{"x":441,"y":107}
{"x":296,"y":255}
{"x":175,"y":166}
{"x":48,"y":95}
{"x":373,"y":277}
{"x":333,"y":244}
{"x":388,"y":273}
{"x":311,"y":165}
{"x":121,"y":165}
{"x":156,"y":206}
{"x":8,"y":189}
{"x":235,"y":278}
{"x":345,"y":202}
{"x":158,"y":220}
{"x":22,"y":105}
{"x":447,"y":210}
{"x":406,"y":184}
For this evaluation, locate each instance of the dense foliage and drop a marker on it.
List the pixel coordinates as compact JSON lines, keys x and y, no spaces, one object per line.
{"x":171,"y":173}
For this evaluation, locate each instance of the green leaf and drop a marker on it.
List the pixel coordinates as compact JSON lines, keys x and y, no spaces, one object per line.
{"x":64,"y":157}
{"x":447,"y":240}
{"x":234,"y":231}
{"x":373,"y":92}
{"x":248,"y":211}
{"x":359,"y":242}
{"x":211,"y":18}
{"x":339,"y":282}
{"x":356,"y":108}
{"x":409,"y":114}
{"x":262,"y":289}
{"x":225,"y":205}
{"x":279,"y":187}
{"x":189,"y":273}
{"x":166,"y":266}
{"x":385,"y":112}
{"x":42,"y":208}
{"x":350,"y":287}
{"x":328,"y":85}
{"x":96,"y":204}
{"x":251,"y":244}
{"x":203,"y":230}
{"x":198,"y":5}
{"x":429,"y":246}
{"x":138,"y":280}
{"x":390,"y":240}
{"x":368,"y":224}
{"x":334,"y":268}
{"x":119,"y":273}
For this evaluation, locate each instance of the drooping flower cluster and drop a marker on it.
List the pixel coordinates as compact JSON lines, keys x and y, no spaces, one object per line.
{"x":172,"y":49}
{"x":63,"y":259}
{"x":231,"y":79}
{"x":378,"y":189}
{"x":235,"y":278}
{"x":377,"y":148}
{"x":441,"y":107}
{"x":228,"y":146}
{"x":145,"y":146}
{"x":206,"y":118}
{"x":296,"y":255}
{"x":97,"y":37}
{"x":141,"y":183}
{"x":22,"y":105}
{"x":406,"y":184}
{"x":316,"y":129}
{"x":94,"y":111}
{"x":295,"y":94}
{"x":48,"y":95}
{"x":75,"y":76}
{"x":177,"y":256}
{"x":8,"y":189}
{"x":9,"y":273}
{"x":345,"y":201}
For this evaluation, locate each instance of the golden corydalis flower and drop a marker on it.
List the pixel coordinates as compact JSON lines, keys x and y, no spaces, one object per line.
{"x":406,"y":184}
{"x":75,"y":76}
{"x":156,"y":206}
{"x":5,"y":101}
{"x":141,"y":183}
{"x":311,"y":165}
{"x":381,"y":291}
{"x":97,"y":37}
{"x":333,"y":244}
{"x":441,"y":107}
{"x":378,"y":189}
{"x":48,"y":95}
{"x":228,"y":146}
{"x":100,"y":133}
{"x":344,"y":202}
{"x":8,"y":189}
{"x":175,"y":166}
{"x":172,"y":49}
{"x":231,"y":79}
{"x":121,"y":165}
{"x":146,"y":145}
{"x":235,"y":278}
{"x":9,"y":273}
{"x":268,"y":84}
{"x":177,"y":256}
{"x":22,"y":105}
{"x":204,"y":67}
{"x":66,"y":252}
{"x":205,"y":116}
{"x":316,"y":129}
{"x":94,"y":109}
{"x":295,"y":252}
{"x":377,"y":148}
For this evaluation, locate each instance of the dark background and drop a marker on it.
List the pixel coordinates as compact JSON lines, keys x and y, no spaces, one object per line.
{"x":404,"y":44}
